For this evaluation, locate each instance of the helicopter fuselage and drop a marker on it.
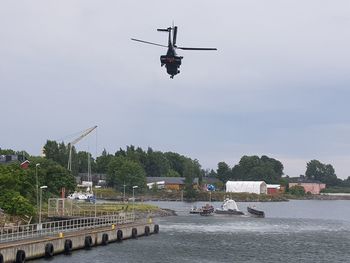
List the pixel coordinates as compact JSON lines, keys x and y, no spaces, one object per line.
{"x":171,"y":61}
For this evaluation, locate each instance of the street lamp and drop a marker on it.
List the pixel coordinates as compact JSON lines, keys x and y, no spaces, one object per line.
{"x":41,"y":195}
{"x":133,"y":197}
{"x":37,"y":186}
{"x":124,"y":192}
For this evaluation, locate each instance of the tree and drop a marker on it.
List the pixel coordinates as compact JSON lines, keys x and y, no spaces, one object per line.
{"x":189,"y":174}
{"x":325,"y":173}
{"x":17,"y":190}
{"x":17,"y":180}
{"x":156,"y":165}
{"x":285,"y":183}
{"x":51,"y":150}
{"x":223,"y":172}
{"x":52,"y":174}
{"x":123,"y":171}
{"x":258,"y":169}
{"x":172,"y":173}
{"x":176,"y":162}
{"x":7,"y":152}
{"x":103,"y":161}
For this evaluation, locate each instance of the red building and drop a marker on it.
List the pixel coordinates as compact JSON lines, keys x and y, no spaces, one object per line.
{"x":273,"y":189}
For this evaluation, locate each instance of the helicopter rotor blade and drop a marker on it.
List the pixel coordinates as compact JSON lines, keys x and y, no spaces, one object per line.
{"x":174,"y":35}
{"x":196,"y":48}
{"x":146,"y":42}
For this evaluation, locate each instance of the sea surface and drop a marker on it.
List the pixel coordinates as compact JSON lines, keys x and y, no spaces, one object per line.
{"x":294,"y":231}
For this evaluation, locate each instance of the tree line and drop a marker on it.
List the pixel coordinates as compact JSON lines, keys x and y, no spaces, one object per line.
{"x":130,"y":167}
{"x":170,"y":164}
{"x":127,"y":167}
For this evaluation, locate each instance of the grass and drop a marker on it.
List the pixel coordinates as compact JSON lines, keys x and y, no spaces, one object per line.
{"x":107,"y":193}
{"x":336,"y":189}
{"x":118,"y":207}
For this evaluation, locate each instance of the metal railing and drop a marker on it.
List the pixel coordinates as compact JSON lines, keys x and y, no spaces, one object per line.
{"x":62,"y":207}
{"x":21,"y":232}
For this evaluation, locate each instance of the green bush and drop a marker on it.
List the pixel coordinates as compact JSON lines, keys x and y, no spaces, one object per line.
{"x":297,"y":190}
{"x":14,"y":203}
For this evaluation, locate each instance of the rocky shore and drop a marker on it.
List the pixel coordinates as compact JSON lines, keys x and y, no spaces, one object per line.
{"x":160,"y":212}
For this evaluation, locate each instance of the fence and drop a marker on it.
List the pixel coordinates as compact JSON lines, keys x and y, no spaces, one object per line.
{"x":8,"y":234}
{"x":62,"y":207}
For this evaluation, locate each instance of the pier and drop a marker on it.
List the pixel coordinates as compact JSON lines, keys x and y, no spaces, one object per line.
{"x":18,"y":244}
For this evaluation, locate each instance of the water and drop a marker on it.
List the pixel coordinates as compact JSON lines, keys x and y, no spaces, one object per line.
{"x":295,"y":231}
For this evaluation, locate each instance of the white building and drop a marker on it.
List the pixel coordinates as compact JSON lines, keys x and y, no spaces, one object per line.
{"x":256,"y":187}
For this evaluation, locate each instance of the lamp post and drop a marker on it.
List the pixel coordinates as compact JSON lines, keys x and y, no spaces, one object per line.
{"x":133,"y":198}
{"x":37,"y":186}
{"x":41,"y":196}
{"x":124,"y":192}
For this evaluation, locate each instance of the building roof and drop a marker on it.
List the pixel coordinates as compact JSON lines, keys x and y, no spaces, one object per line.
{"x":303,"y":180}
{"x":246,"y":182}
{"x":275,"y":186}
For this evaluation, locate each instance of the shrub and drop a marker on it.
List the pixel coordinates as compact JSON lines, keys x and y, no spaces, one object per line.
{"x":297,"y":190}
{"x":15,"y":204}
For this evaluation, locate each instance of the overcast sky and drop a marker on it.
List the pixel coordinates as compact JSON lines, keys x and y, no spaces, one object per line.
{"x":278,"y":84}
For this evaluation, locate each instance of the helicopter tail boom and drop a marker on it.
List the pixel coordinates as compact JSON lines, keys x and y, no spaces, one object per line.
{"x":164,"y":29}
{"x":174,"y":35}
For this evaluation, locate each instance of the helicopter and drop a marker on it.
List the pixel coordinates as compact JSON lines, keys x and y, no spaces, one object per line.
{"x":171,"y":60}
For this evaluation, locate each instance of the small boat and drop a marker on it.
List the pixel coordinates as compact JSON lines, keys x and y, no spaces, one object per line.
{"x":207,"y":210}
{"x":195,"y":210}
{"x":229,"y":207}
{"x":255,"y":212}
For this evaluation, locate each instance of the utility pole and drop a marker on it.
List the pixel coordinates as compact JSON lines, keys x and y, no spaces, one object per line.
{"x":41,"y":197}
{"x":133,"y":198}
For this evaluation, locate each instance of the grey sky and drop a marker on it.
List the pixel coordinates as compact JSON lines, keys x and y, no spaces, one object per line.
{"x":279,"y":84}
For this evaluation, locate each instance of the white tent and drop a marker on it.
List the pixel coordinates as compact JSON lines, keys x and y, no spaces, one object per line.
{"x":256,"y":187}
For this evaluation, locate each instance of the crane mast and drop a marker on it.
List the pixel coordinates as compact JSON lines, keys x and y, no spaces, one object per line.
{"x":72,"y":143}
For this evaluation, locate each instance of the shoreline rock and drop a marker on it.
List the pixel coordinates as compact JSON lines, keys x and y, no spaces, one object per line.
{"x":161,"y":212}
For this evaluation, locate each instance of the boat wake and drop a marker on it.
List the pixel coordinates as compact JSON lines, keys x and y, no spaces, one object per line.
{"x":276,"y":226}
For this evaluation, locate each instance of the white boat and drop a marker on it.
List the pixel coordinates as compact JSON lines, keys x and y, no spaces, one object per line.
{"x":195,"y":210}
{"x":229,"y":207}
{"x":80,"y":196}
